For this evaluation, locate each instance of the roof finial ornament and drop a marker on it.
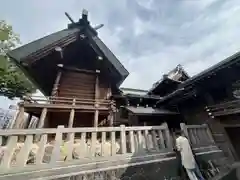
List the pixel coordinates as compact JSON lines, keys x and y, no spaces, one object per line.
{"x":98,"y":26}
{"x":85,"y":15}
{"x":82,"y":21}
{"x":69,"y":17}
{"x":84,"y":12}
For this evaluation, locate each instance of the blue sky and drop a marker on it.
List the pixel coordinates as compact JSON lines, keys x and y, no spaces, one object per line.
{"x":150,"y":37}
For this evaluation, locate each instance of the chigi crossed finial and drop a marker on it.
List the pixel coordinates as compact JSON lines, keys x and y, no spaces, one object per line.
{"x":83,"y":20}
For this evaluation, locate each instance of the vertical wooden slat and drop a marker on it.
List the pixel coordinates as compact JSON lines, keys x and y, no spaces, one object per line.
{"x":42,"y":118}
{"x":144,"y":146}
{"x":93,"y":143}
{"x":69,"y":146}
{"x":41,"y":150}
{"x":169,"y":140}
{"x":131,"y":140}
{"x":209,"y":134}
{"x":72,"y":114}
{"x":123,"y":139}
{"x":184,"y":129}
{"x":155,"y":144}
{"x":56,"y":83}
{"x":103,"y":139}
{"x":140,"y":141}
{"x":195,"y":132}
{"x":201,"y":136}
{"x":192,"y":136}
{"x":146,"y":139}
{"x":113,"y":143}
{"x":22,"y":156}
{"x":150,"y":139}
{"x":28,"y":120}
{"x":83,"y":145}
{"x":96,"y":114}
{"x":85,"y":177}
{"x":79,"y":177}
{"x":135,"y":137}
{"x":161,"y":139}
{"x":1,"y":140}
{"x":8,"y":152}
{"x":205,"y":136}
{"x":112,"y":175}
{"x":56,"y":148}
{"x":110,"y":118}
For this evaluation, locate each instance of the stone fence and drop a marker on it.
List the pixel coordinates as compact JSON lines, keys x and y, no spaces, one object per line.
{"x":29,"y":150}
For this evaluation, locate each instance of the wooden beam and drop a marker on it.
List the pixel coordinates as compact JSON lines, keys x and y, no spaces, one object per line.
{"x":67,"y":106}
{"x":80,"y":70}
{"x":71,"y":117}
{"x":111,"y":118}
{"x":56,"y":83}
{"x":96,"y":114}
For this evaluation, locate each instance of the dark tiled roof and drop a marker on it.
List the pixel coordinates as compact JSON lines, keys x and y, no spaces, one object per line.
{"x":26,"y":50}
{"x":182,"y":88}
{"x":215,"y":68}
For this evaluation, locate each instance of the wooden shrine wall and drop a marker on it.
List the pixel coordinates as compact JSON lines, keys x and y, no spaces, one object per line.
{"x":194,"y":113}
{"x":104,"y":88}
{"x":82,"y":85}
{"x":76,"y":84}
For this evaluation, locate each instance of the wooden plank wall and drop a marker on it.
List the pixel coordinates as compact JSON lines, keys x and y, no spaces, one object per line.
{"x":77,"y":84}
{"x":82,"y":85}
{"x":196,"y":114}
{"x":104,"y":88}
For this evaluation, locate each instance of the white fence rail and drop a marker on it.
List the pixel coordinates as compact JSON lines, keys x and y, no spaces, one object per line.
{"x":21,"y":148}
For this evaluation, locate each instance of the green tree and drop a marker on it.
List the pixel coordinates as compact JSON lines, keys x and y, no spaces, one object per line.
{"x":13,"y":82}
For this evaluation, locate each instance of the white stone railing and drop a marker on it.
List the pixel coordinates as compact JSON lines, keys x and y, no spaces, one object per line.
{"x":22,"y":148}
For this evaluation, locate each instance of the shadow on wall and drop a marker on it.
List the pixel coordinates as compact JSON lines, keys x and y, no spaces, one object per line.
{"x":159,"y":167}
{"x":168,"y":168}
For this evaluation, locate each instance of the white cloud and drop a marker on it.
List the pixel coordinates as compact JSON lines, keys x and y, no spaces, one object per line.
{"x":149,"y":37}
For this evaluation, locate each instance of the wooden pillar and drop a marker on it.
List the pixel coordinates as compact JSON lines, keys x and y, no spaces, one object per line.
{"x":111,"y":118}
{"x":72,"y":114}
{"x":19,"y":118}
{"x":56,"y":83}
{"x":42,"y":118}
{"x":96,"y":114}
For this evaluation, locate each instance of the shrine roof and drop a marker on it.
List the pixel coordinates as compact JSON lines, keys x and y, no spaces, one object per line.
{"x":27,"y":55}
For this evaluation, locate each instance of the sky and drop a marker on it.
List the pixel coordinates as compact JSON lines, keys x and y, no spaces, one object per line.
{"x":150,"y":37}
